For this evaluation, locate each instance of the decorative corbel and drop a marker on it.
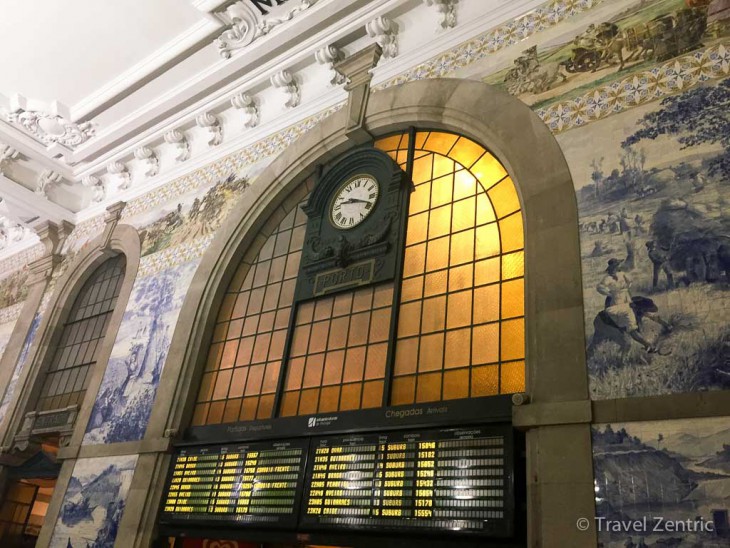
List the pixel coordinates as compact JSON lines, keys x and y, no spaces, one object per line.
{"x":447,"y":9}
{"x":177,"y":139}
{"x":98,"y":191}
{"x":52,"y":236}
{"x":212,"y":125}
{"x":247,"y":103}
{"x":11,"y":231}
{"x":111,"y":220}
{"x":149,"y":158}
{"x":241,"y":33}
{"x":7,"y":155}
{"x":356,"y":69}
{"x":385,"y":32}
{"x":120,"y":171}
{"x":286,"y":81}
{"x":329,"y":56}
{"x":47,"y":180}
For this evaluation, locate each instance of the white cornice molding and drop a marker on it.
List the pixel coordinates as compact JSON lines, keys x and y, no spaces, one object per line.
{"x":26,"y":204}
{"x":136,"y":75}
{"x":255,"y":66}
{"x":335,"y":97}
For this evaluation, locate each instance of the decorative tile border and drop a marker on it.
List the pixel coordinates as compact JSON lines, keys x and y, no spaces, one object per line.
{"x":173,"y":256}
{"x":672,"y":77}
{"x":10,"y":313}
{"x":21,"y":260}
{"x":492,"y":41}
{"x":83,"y":232}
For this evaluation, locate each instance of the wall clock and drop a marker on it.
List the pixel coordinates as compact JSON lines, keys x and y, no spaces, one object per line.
{"x":354,"y":201}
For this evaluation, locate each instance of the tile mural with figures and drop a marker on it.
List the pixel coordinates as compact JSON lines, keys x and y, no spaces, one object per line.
{"x":652,"y":192}
{"x":675,"y":470}
{"x":609,"y":43}
{"x":124,"y":401}
{"x":9,"y":392}
{"x":13,"y":288}
{"x":94,"y":501}
{"x":197,"y":214}
{"x":6,"y":330}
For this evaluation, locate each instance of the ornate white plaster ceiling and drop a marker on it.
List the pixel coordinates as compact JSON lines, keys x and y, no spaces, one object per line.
{"x":101,"y":101}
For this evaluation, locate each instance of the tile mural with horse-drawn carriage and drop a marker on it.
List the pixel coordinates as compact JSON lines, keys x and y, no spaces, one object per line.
{"x":608,"y":43}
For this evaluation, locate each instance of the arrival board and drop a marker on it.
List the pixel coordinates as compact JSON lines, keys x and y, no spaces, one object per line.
{"x":257,"y":484}
{"x":449,"y":480}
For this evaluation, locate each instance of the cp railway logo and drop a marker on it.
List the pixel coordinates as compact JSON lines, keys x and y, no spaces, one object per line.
{"x":220,"y":544}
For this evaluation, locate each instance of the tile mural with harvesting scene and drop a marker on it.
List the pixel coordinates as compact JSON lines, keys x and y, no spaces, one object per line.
{"x":94,"y":501}
{"x":124,"y":402}
{"x":652,"y":188}
{"x":676,"y":470}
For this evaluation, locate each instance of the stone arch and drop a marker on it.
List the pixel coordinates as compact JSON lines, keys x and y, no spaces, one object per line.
{"x":119,"y":239}
{"x":498,"y":121}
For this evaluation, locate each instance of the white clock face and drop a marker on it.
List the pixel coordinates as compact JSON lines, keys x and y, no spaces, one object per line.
{"x":354,"y":201}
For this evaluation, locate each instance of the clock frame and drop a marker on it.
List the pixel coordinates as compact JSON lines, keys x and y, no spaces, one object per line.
{"x":334,"y":259}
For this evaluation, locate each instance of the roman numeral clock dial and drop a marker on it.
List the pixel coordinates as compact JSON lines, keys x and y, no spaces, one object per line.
{"x":354,"y":201}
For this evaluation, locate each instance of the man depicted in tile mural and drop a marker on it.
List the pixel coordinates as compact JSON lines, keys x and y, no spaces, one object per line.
{"x":615,"y":286}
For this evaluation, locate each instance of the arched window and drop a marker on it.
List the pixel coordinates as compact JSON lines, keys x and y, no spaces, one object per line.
{"x":73,"y":358}
{"x":450,"y":326}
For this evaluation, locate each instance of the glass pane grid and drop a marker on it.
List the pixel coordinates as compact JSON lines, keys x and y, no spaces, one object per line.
{"x":244,"y":361}
{"x":67,"y":375}
{"x":461,"y":325}
{"x":338,"y":353}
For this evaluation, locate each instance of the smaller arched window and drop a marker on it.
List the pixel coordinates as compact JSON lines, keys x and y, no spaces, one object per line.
{"x":79,"y":344}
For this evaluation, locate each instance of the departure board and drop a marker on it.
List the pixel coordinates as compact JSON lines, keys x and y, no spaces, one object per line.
{"x":257,"y":484}
{"x":456,"y":480}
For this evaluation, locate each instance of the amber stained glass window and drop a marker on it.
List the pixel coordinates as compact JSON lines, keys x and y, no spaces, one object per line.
{"x":338,"y":352}
{"x":79,"y":346}
{"x":461,"y":326}
{"x":244,"y":362}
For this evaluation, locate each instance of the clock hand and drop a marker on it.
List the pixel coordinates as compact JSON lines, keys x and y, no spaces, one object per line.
{"x":355,"y":201}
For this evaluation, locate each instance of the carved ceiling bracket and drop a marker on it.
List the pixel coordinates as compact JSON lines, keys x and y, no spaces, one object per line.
{"x":7,"y":155}
{"x":11,"y":232}
{"x":49,"y":128}
{"x":447,"y":9}
{"x":356,"y":69}
{"x":330,"y":56}
{"x":246,"y":25}
{"x":98,"y":190}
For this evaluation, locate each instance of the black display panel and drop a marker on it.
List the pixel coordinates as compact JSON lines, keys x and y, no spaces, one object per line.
{"x":449,"y":480}
{"x":257,"y":484}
